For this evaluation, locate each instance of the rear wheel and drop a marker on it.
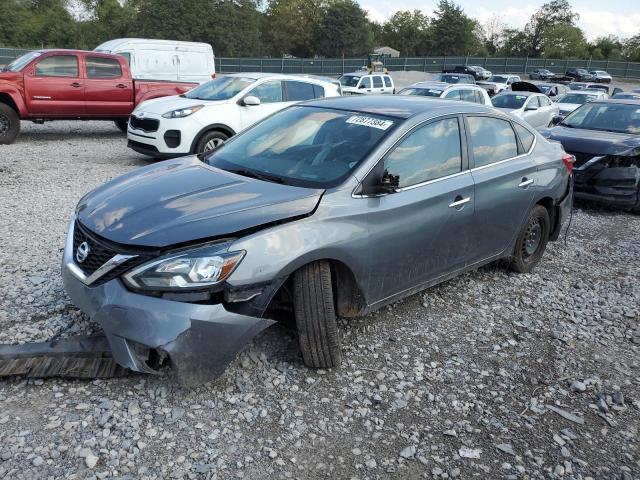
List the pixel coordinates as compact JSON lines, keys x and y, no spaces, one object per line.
{"x":210,"y":141}
{"x":532,"y":241}
{"x":122,"y":125}
{"x":315,"y":316}
{"x":9,"y":124}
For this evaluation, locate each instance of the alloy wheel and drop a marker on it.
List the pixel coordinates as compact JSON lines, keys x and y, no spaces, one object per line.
{"x":213,"y":143}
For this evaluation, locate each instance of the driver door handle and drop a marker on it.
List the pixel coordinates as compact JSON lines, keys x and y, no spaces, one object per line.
{"x":459,"y":202}
{"x":76,"y":85}
{"x":525,"y":182}
{"x":121,"y":85}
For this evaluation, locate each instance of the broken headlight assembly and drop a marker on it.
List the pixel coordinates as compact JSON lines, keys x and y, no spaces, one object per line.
{"x":197,"y":269}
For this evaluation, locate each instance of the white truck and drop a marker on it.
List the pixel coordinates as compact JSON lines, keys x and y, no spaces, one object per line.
{"x":169,"y":60}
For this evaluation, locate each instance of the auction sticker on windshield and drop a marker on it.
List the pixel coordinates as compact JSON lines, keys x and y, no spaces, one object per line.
{"x":370,"y":122}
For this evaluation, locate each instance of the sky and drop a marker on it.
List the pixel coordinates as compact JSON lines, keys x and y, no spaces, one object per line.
{"x":597,"y":17}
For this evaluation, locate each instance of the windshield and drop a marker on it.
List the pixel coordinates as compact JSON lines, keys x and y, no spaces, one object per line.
{"x":509,"y":101}
{"x":424,"y":92}
{"x":575,"y":98}
{"x":629,"y":96}
{"x":21,"y":62}
{"x":222,"y":88}
{"x":544,"y":88}
{"x":349,"y":80}
{"x":304,"y":146}
{"x":497,"y":79}
{"x":451,"y":78}
{"x":608,"y":117}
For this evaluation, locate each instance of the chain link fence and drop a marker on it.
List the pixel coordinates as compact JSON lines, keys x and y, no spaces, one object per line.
{"x":338,"y":66}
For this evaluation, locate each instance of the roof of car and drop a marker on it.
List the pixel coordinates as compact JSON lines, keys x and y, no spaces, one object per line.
{"x":523,"y":93}
{"x":399,"y":106}
{"x":586,"y":91}
{"x":364,"y":73}
{"x":261,"y":75}
{"x":620,"y":101}
{"x":441,"y":85}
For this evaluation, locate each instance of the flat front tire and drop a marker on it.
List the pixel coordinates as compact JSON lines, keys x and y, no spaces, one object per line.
{"x":532,"y":241}
{"x":315,"y":316}
{"x":9,"y":124}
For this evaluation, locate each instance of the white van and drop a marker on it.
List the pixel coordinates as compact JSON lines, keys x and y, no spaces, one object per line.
{"x":164,"y":59}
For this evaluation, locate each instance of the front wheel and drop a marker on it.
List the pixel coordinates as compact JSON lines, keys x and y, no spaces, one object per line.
{"x":210,"y":141}
{"x":315,"y":316}
{"x":9,"y":124}
{"x":532,"y":241}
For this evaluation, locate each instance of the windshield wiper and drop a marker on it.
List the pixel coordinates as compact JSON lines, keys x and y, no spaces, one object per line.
{"x":566,"y":125}
{"x":258,"y":175}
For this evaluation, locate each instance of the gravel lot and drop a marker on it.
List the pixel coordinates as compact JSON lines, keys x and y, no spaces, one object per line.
{"x":490,"y":375}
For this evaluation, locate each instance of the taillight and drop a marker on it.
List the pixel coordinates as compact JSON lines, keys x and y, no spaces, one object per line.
{"x":213,"y":76}
{"x":568,"y":161}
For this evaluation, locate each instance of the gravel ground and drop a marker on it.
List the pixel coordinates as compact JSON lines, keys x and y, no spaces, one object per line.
{"x":490,"y":375}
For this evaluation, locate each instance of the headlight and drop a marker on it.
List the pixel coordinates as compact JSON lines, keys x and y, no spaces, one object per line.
{"x":191,"y":270}
{"x":183,"y":112}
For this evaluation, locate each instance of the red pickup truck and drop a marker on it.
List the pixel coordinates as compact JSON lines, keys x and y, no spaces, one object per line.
{"x":73,"y":84}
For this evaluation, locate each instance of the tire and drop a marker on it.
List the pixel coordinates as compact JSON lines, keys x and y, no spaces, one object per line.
{"x":210,"y":140}
{"x":315,"y":316}
{"x":532,"y":241}
{"x":636,"y":208}
{"x":9,"y":124}
{"x":122,"y":125}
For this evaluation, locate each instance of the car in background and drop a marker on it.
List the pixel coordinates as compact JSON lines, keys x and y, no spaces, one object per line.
{"x":498,"y":83}
{"x":363,"y":83}
{"x":322,"y":78}
{"x":205,"y":117}
{"x":626,"y":96}
{"x":580,"y":74}
{"x":601,"y":76}
{"x":169,"y":60}
{"x":534,"y":108}
{"x":604,"y":137}
{"x":454,"y":78}
{"x":466,"y":93}
{"x":578,"y":85}
{"x":329,"y":208}
{"x":477,"y":72}
{"x":568,"y":102}
{"x":551,"y":90}
{"x":608,"y":89}
{"x":541,"y":74}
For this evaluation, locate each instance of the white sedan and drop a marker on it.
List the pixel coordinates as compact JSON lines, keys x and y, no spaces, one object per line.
{"x":205,"y":117}
{"x":534,"y":108}
{"x":572,"y":100}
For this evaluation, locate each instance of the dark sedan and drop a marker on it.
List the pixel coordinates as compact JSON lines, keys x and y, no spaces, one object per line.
{"x":604,"y":136}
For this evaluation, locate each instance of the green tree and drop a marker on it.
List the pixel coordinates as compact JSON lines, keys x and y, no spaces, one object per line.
{"x":515,"y":43}
{"x":631,"y":49}
{"x":549,"y":15}
{"x":36,"y":23}
{"x":564,"y":41}
{"x":453,"y":32}
{"x":344,"y":30}
{"x":105,"y":20}
{"x":493,"y":34}
{"x":407,"y":32}
{"x":289,"y":26}
{"x":606,"y":47}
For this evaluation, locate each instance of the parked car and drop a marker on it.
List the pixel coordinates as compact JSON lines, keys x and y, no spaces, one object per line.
{"x":580,"y":74}
{"x":329,"y":208}
{"x":477,"y":72}
{"x":626,"y":96}
{"x":541,"y":74}
{"x":468,"y":93}
{"x":454,"y":78}
{"x":534,"y":108}
{"x":48,"y":85}
{"x":498,"y":83}
{"x":568,"y":102}
{"x":362,"y":83}
{"x":208,"y":115}
{"x":331,"y":80}
{"x":551,"y":90}
{"x":170,"y":60}
{"x":601,"y":76}
{"x":604,"y":136}
{"x":578,"y":85}
{"x":608,"y":89}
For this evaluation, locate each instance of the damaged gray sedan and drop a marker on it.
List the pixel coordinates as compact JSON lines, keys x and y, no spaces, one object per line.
{"x":330,"y":208}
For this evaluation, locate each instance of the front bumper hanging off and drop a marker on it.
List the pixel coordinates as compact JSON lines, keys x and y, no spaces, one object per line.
{"x":614,"y":185}
{"x":199,"y":339}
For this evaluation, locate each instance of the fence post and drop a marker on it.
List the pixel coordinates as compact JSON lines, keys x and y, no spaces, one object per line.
{"x":342,"y":64}
{"x":626,"y":69}
{"x":282,"y":65}
{"x":405,"y":64}
{"x":506,"y":64}
{"x":484,"y":65}
{"x":261,"y":66}
{"x":589,"y":62}
{"x":444,"y":63}
{"x":526,"y":64}
{"x":607,"y":67}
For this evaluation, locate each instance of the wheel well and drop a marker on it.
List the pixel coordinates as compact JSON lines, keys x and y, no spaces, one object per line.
{"x":549,"y":204}
{"x":212,"y":128}
{"x":7,"y":100}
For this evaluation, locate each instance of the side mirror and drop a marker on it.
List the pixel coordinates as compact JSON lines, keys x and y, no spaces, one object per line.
{"x":531,"y":108}
{"x":251,"y":100}
{"x":362,"y":86}
{"x":556,"y":120}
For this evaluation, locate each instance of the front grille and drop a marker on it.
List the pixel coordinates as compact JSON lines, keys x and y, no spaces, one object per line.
{"x":581,"y":158}
{"x":99,"y":254}
{"x":144,"y":124}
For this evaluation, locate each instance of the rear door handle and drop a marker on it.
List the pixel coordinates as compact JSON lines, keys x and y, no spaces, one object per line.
{"x":121,"y":85}
{"x":459,"y":202}
{"x":525,"y":182}
{"x":76,"y":85}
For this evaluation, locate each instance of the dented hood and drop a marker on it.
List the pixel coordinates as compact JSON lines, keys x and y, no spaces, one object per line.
{"x":185,"y":200}
{"x":594,"y":142}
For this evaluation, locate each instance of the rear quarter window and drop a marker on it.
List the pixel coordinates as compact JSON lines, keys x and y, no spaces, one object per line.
{"x":299,"y":91}
{"x":492,"y":140}
{"x":387,"y":82}
{"x":526,"y":137}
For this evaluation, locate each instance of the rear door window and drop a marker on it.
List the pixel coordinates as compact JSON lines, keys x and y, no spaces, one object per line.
{"x":377,"y":82}
{"x":318,"y":91}
{"x":468,"y":95}
{"x":299,"y":91}
{"x":58,"y":66}
{"x":479,"y":97}
{"x":492,"y":140}
{"x":101,"y":67}
{"x":453,"y":95}
{"x":427,"y":153}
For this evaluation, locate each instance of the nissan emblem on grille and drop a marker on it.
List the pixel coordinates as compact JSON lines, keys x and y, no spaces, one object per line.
{"x":82,"y":252}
